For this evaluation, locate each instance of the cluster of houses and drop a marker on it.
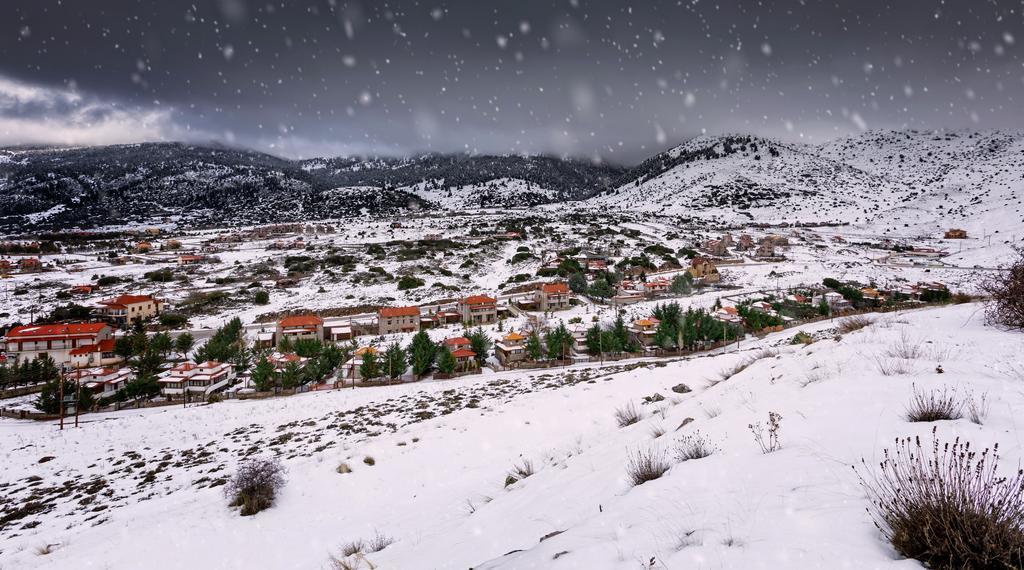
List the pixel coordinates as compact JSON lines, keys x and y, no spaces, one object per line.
{"x":763,"y":249}
{"x":702,"y":271}
{"x":21,"y":265}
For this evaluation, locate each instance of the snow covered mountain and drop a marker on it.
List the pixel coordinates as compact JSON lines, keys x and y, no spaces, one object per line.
{"x":902,"y":181}
{"x":922,"y":179}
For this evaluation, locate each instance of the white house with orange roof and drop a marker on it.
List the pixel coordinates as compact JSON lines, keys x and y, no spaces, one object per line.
{"x":510,"y":349}
{"x":643,"y":330}
{"x":197,"y":379}
{"x":392,"y":320}
{"x":478,"y":310}
{"x":552,"y":297}
{"x":125,"y":309}
{"x":350,"y":369}
{"x":56,"y":340}
{"x":98,"y":354}
{"x":300,"y":327}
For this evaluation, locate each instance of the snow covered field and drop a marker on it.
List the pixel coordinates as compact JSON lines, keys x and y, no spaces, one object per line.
{"x":437,"y":484}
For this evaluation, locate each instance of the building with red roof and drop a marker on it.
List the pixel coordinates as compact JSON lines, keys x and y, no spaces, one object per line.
{"x":552,"y":297}
{"x":125,"y":309}
{"x":300,"y":327}
{"x":478,"y":310}
{"x":398,"y":320}
{"x":56,"y":340}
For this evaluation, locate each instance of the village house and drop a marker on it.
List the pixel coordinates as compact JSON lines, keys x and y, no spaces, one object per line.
{"x":125,"y":309}
{"x":835,"y":301}
{"x":91,"y":355}
{"x":457,"y":343}
{"x":190,"y":259}
{"x":102,"y":381}
{"x":703,"y":269}
{"x":5,"y":266}
{"x":56,"y":341}
{"x":716,"y":247}
{"x":657,"y":287}
{"x":281,"y":360}
{"x":309,"y":327}
{"x":264,"y":340}
{"x":143,"y":247}
{"x":478,"y":310}
{"x":398,"y":320}
{"x":83,"y":289}
{"x":956,"y":233}
{"x":627,"y":298}
{"x":643,"y":330}
{"x":196,"y":379}
{"x":727,"y":315}
{"x":765,"y":249}
{"x":746,"y":242}
{"x":763,"y":307}
{"x":350,"y":369}
{"x":511,"y":349}
{"x":439,"y":319}
{"x":339,"y":333}
{"x":30,"y":265}
{"x":552,"y":297}
{"x":465,"y":359}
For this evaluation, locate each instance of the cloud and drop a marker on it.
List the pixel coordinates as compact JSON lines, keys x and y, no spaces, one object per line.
{"x":35,"y":114}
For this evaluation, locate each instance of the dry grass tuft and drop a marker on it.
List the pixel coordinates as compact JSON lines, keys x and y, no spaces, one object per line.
{"x":646,"y":465}
{"x":694,"y":446}
{"x":627,"y":415}
{"x":854,"y":323}
{"x":935,"y":405}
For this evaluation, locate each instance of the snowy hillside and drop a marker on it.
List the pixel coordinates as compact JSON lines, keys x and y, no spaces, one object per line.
{"x":927,"y":181}
{"x":126,"y":486}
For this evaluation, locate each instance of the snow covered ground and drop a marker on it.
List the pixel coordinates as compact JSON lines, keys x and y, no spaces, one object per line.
{"x":437,"y":484}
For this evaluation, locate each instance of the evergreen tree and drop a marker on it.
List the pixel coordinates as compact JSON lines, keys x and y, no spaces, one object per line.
{"x":369,"y":368}
{"x":395,"y":361}
{"x":263,"y":375}
{"x":421,"y":353}
{"x":291,"y":376}
{"x":285,"y":346}
{"x":534,"y":348}
{"x":481,"y":344}
{"x":682,"y":284}
{"x":184,"y":343}
{"x":161,"y":342}
{"x":595,"y":342}
{"x":445,"y":360}
{"x":578,"y":283}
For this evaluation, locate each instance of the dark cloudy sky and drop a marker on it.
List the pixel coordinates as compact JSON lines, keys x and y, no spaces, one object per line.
{"x":616,"y":80}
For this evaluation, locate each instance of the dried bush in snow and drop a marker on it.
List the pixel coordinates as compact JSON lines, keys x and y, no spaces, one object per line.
{"x":627,"y":416}
{"x":646,"y":465}
{"x":854,"y":323}
{"x":935,"y":405}
{"x":255,"y":485}
{"x":768,"y":441}
{"x":519,"y":472}
{"x":948,"y":507}
{"x":977,"y":409}
{"x":893,"y":366}
{"x":694,"y":446}
{"x":1006,"y":294}
{"x":905,"y":348}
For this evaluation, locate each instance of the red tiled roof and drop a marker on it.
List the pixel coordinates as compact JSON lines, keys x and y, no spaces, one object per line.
{"x":122,"y":300}
{"x":479,"y":300}
{"x":463,"y":353}
{"x":555,"y":288}
{"x":301,"y":321}
{"x":456,"y":341}
{"x":399,"y":311}
{"x":56,"y":330}
{"x":105,"y":345}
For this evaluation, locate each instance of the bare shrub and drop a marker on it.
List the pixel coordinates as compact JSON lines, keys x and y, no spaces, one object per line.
{"x":977,"y":409}
{"x":646,"y":465}
{"x":255,"y":485}
{"x":369,"y":461}
{"x":935,"y":405}
{"x":657,"y":431}
{"x":905,"y":348}
{"x":893,"y":366}
{"x":353,"y":548}
{"x":343,"y":468}
{"x":712,"y":412}
{"x":769,"y":441}
{"x":379,"y":542}
{"x":45,"y":550}
{"x":854,"y":323}
{"x":1006,"y":294}
{"x":813,"y":376}
{"x":694,"y":446}
{"x":519,"y":472}
{"x":948,"y":507}
{"x":627,"y":415}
